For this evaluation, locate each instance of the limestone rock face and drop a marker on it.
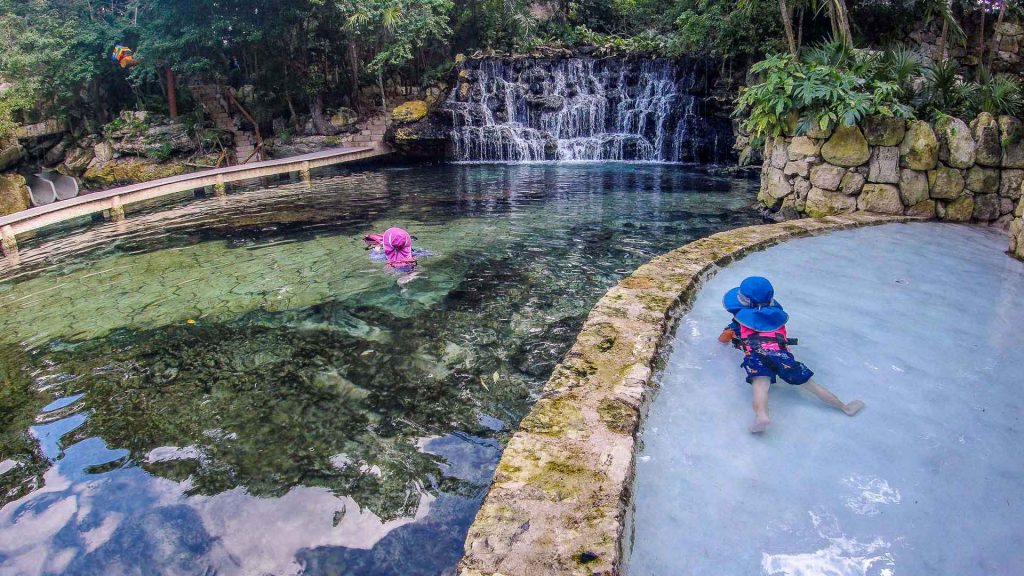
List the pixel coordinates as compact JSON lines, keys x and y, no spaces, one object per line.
{"x":129,"y":171}
{"x":986,"y":207}
{"x":945,"y":183}
{"x":801,"y":186}
{"x":344,"y":117}
{"x":983,"y":180}
{"x":956,"y":147}
{"x":13,"y":194}
{"x":960,"y":210}
{"x":825,"y":203}
{"x":1012,"y":139}
{"x":884,"y":166}
{"x":985,"y":132}
{"x":913,"y":187}
{"x":77,"y":160}
{"x":851,"y":184}
{"x":882,"y":131}
{"x":802,"y":147}
{"x":1009,"y":183}
{"x":411,"y":111}
{"x":920,"y":148}
{"x":847,"y":147}
{"x":883,"y":198}
{"x":923,"y":209}
{"x":826,"y":176}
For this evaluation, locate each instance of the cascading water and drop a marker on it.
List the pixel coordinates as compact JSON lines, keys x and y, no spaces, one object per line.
{"x":583,"y":109}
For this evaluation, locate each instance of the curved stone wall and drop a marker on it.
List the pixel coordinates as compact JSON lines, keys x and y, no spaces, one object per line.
{"x":560,"y":496}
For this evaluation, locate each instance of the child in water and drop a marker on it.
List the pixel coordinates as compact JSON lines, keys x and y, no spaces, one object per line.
{"x":396,"y":245}
{"x":759,"y":329}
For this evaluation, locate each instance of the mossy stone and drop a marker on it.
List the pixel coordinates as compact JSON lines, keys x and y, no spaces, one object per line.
{"x":961,"y":209}
{"x":884,"y":131}
{"x":411,"y":111}
{"x":13,"y":194}
{"x":920,"y":148}
{"x":945,"y":183}
{"x":847,"y":147}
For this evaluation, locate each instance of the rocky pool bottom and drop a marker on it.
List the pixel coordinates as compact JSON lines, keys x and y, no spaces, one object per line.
{"x":232,"y":386}
{"x":920,"y":321}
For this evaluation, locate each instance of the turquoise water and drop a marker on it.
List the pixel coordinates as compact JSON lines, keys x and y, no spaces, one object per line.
{"x":231,"y":386}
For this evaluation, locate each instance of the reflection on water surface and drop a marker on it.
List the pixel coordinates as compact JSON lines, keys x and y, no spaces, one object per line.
{"x":231,"y":386}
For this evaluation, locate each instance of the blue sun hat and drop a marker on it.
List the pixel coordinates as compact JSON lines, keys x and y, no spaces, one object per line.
{"x":758,"y":310}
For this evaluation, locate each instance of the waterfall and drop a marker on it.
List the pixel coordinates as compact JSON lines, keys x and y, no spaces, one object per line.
{"x":583,"y":109}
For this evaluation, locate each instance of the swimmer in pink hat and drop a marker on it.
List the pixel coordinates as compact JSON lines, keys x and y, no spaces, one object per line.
{"x":397,"y":246}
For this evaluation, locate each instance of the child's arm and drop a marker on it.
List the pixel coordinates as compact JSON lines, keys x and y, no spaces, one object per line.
{"x":730,"y":332}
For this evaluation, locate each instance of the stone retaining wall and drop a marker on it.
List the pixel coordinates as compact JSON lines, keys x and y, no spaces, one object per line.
{"x":948,"y":170}
{"x":561,"y":493}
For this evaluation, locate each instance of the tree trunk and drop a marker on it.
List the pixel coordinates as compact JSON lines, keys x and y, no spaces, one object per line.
{"x":800,"y":29}
{"x":353,"y":54}
{"x":943,"y":39}
{"x":787,"y":23}
{"x":841,"y":21}
{"x":172,"y":98}
{"x":316,"y":114}
{"x":981,"y":47}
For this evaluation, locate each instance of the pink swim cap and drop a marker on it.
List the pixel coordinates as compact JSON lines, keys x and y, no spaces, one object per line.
{"x":397,"y":247}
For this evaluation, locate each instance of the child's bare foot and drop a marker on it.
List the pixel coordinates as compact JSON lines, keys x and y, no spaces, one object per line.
{"x":851,"y":408}
{"x":760,"y":425}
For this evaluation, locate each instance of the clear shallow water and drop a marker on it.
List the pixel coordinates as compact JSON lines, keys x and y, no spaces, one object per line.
{"x":921,"y":322}
{"x":242,"y":391}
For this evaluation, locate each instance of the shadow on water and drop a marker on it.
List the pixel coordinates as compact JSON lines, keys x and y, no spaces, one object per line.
{"x":242,"y":391}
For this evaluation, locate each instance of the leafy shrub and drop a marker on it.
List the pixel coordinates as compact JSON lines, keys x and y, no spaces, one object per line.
{"x":831,"y":84}
{"x":1000,"y":94}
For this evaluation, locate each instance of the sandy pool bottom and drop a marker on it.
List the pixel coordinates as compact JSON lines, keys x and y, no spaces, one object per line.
{"x":923,"y":322}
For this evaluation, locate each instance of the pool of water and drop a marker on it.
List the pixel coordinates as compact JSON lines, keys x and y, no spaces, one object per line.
{"x":921,"y":322}
{"x":231,"y":386}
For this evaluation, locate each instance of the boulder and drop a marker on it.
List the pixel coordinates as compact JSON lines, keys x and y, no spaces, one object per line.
{"x":411,"y":111}
{"x":822,"y":203}
{"x":13,"y":194}
{"x":985,"y":132}
{"x":956,"y":147}
{"x":923,"y":209}
{"x":77,"y":160}
{"x":945,"y":183}
{"x":983,"y":180}
{"x":986,"y":207}
{"x":778,"y":186}
{"x":802,"y":146}
{"x":1012,"y":140}
{"x":1009,"y":183}
{"x":344,"y":117}
{"x":11,"y":155}
{"x":882,"y":198}
{"x":826,"y":176}
{"x":884,"y":131}
{"x":797,"y":168}
{"x":851,"y":184}
{"x":913,"y":186}
{"x":1019,"y":210}
{"x":884,"y":165}
{"x":919,"y":149}
{"x":103,"y":152}
{"x":55,"y":155}
{"x":44,"y":129}
{"x":846,"y":147}
{"x":960,"y":210}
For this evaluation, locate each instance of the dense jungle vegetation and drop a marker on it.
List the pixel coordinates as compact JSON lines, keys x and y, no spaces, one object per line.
{"x":310,"y":56}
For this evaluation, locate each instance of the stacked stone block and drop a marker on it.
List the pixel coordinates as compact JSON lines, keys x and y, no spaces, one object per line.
{"x":947,"y":170}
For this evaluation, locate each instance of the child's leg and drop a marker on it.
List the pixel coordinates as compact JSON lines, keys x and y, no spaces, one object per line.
{"x":831,"y":399}
{"x":760,"y":386}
